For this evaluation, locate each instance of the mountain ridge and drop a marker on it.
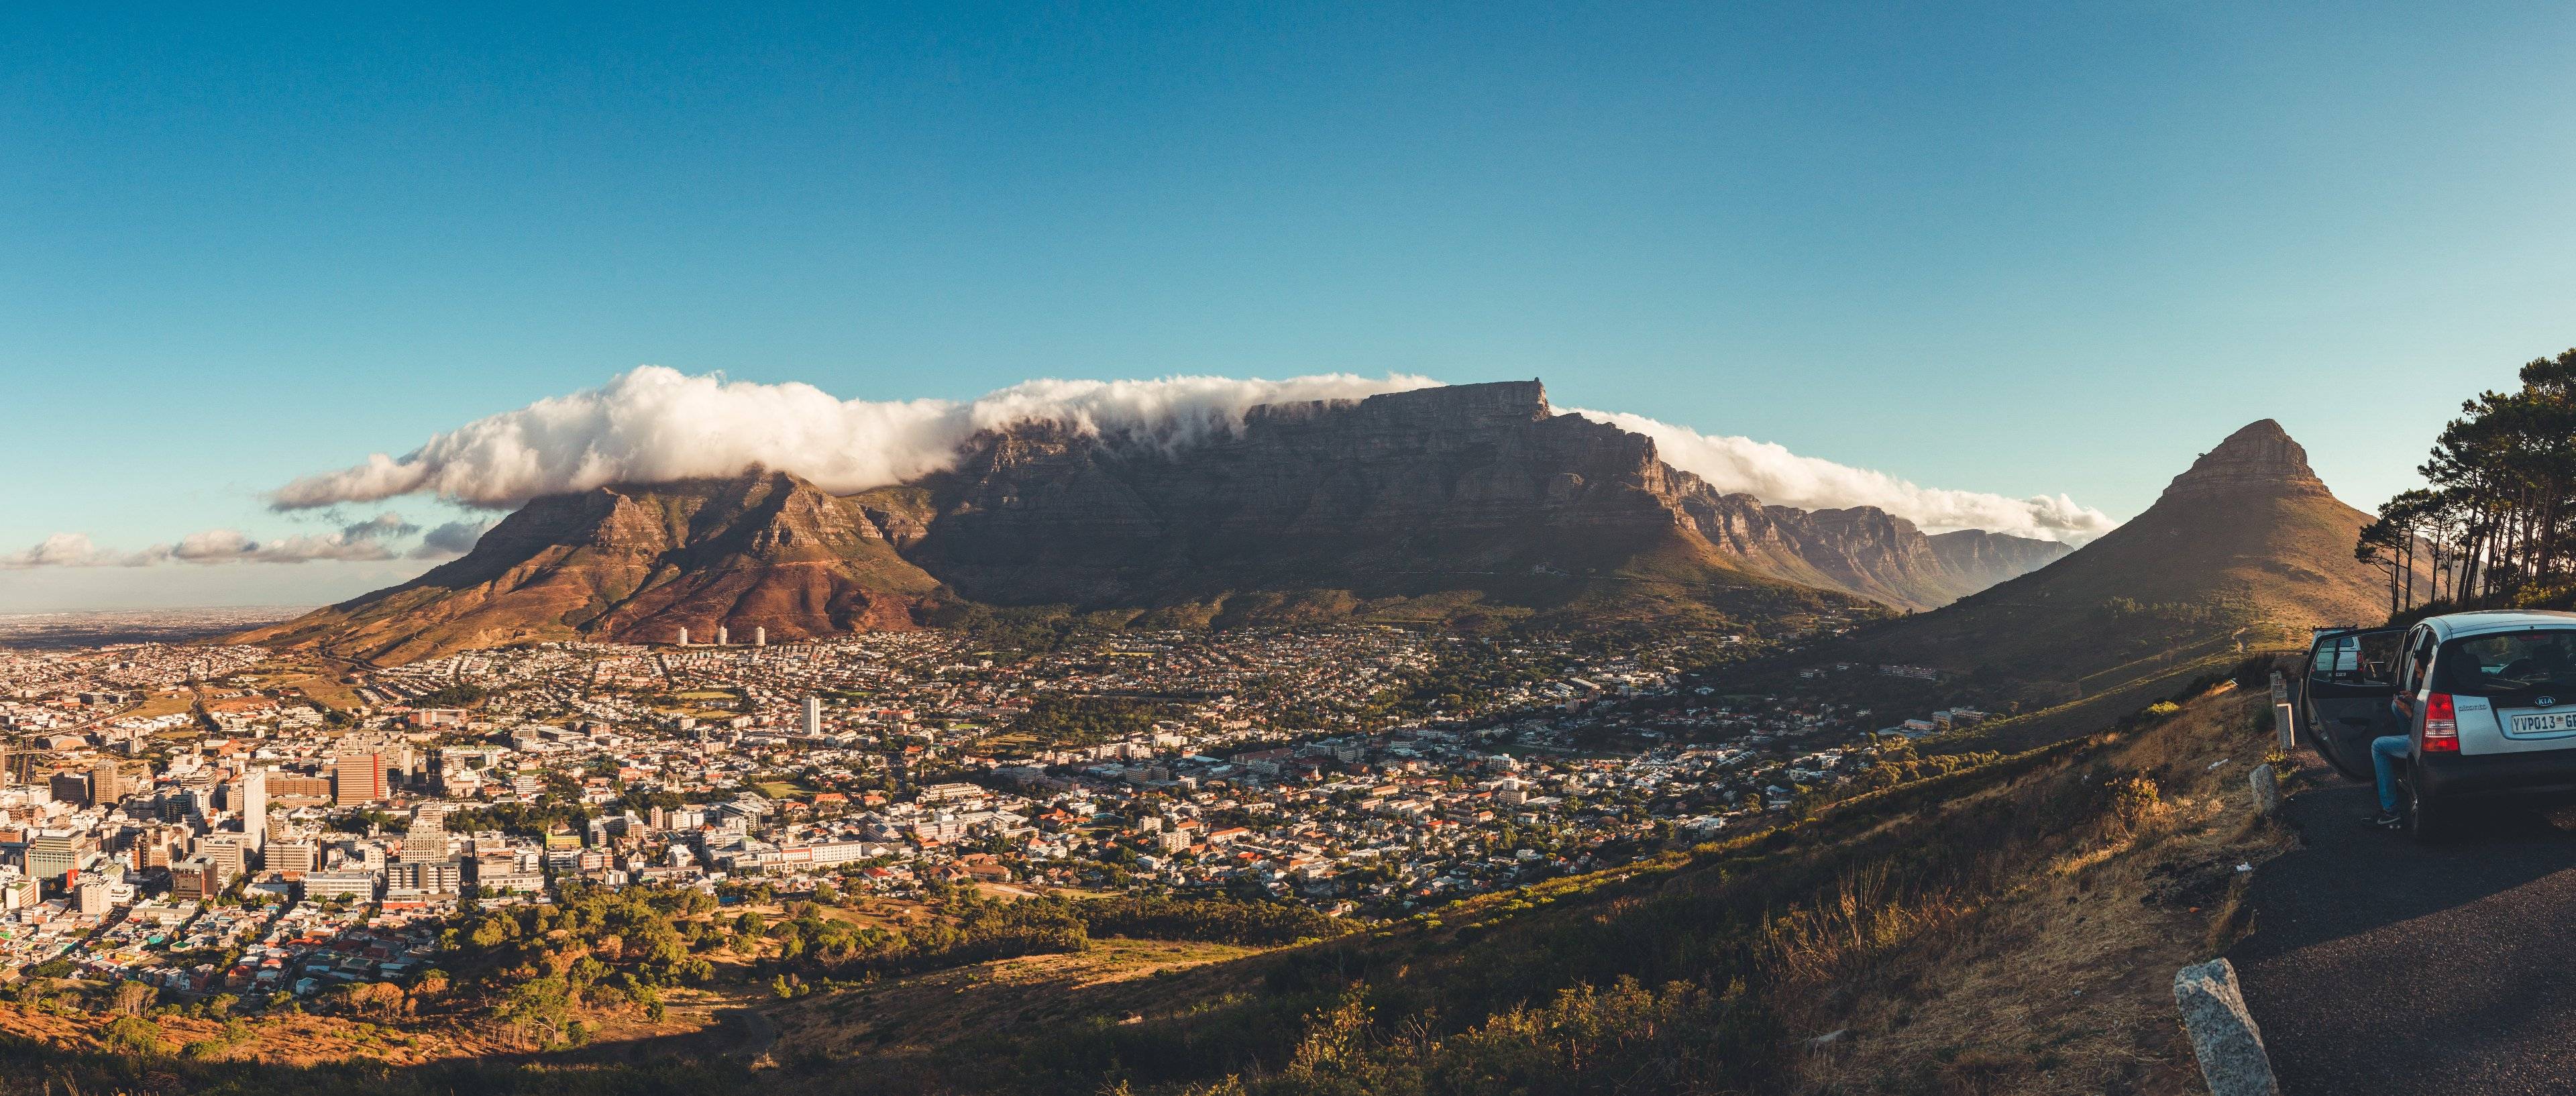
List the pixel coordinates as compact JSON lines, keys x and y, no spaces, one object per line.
{"x":1478,"y":497}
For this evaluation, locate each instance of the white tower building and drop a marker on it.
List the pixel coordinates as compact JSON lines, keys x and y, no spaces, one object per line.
{"x":254,"y":807}
{"x":684,"y":637}
{"x":759,"y":637}
{"x":814,"y":715}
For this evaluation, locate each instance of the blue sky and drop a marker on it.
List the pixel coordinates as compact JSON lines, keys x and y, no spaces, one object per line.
{"x":2021,"y":249}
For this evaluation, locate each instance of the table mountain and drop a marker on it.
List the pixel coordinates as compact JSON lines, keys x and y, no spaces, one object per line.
{"x":1431,"y":503}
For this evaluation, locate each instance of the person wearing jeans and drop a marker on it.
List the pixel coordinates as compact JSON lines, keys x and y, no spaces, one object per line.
{"x":2386,"y":753}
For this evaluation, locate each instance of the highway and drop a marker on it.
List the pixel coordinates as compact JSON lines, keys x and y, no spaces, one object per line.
{"x":2377,"y":965}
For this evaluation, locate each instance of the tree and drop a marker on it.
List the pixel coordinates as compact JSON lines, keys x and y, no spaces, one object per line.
{"x":536,"y":1008}
{"x":376,"y":999}
{"x":131,"y":998}
{"x":132,"y":1035}
{"x":2495,"y":522}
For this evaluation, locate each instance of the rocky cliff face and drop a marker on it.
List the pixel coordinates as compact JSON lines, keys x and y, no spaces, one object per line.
{"x":1392,"y":494}
{"x":2259,"y":458}
{"x":1477,"y":491}
{"x":1979,"y":559}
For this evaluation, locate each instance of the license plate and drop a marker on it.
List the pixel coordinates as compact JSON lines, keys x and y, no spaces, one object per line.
{"x":2544,"y":723}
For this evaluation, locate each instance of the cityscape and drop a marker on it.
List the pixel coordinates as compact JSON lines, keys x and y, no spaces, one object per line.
{"x":218,"y":819}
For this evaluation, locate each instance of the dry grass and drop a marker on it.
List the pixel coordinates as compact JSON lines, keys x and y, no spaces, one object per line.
{"x":2062,"y":981}
{"x":1115,"y":978}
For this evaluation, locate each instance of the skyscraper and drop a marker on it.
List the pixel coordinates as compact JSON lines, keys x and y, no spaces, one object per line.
{"x":254,"y":807}
{"x":684,"y":637}
{"x":814,"y":715}
{"x":721,"y":636}
{"x":427,"y":838}
{"x":106,"y":783}
{"x":759,"y":637}
{"x":357,"y":778}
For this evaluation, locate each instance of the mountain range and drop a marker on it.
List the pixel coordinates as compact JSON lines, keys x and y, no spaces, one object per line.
{"x":1429,"y":504}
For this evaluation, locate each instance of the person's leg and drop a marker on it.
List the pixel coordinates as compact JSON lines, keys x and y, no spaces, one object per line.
{"x":2386,"y":752}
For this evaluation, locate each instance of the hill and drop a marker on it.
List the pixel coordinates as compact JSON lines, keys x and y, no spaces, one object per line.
{"x":1428,"y":505}
{"x":762,"y":550}
{"x":2245,"y":549}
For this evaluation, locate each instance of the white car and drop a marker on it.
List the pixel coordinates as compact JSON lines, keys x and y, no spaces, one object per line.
{"x":2486,"y":701}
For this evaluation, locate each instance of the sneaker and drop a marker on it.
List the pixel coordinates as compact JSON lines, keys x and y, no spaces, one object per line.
{"x":2386,"y":820}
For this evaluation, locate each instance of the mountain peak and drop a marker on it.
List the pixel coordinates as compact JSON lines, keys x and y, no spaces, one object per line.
{"x":2258,"y":457}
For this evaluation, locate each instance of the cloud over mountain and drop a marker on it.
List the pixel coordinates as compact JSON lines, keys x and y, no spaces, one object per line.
{"x":452,"y":539}
{"x":1775,"y":475}
{"x":655,"y":424}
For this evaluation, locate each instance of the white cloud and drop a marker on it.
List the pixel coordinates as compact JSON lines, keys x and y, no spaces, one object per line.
{"x":1775,"y":475}
{"x":654,"y":424}
{"x":63,"y":550}
{"x":451,"y":540}
{"x":366,"y":540}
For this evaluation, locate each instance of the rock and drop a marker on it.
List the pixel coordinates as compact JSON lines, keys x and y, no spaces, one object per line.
{"x":1399,"y":494}
{"x":2267,"y":790}
{"x":2223,"y":1034}
{"x":2260,"y":455}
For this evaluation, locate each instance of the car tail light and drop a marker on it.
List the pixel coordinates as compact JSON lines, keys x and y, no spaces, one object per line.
{"x":2441,"y":724}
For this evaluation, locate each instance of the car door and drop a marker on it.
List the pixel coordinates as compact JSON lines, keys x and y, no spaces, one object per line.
{"x":2344,"y":694}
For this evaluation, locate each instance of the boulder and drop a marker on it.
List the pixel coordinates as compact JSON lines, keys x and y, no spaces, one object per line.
{"x":2223,"y":1034}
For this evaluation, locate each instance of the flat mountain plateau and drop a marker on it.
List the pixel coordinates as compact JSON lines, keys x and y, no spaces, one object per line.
{"x":1462,"y":504}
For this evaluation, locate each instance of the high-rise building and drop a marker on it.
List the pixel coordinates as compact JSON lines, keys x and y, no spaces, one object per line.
{"x":293,"y":855}
{"x":53,"y":854}
{"x":228,"y":852}
{"x":357,"y":778}
{"x":759,"y":637}
{"x":70,"y":788}
{"x":106,"y":782}
{"x":254,"y":806}
{"x":424,"y":878}
{"x":427,"y":838}
{"x":722,"y":638}
{"x":193,"y":879}
{"x":91,"y":896}
{"x":684,"y":637}
{"x":814,"y":715}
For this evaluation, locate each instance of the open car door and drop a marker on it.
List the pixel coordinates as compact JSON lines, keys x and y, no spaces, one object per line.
{"x":2343,"y":696}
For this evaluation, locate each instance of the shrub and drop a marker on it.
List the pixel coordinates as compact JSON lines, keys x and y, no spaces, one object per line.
{"x":132,"y":1035}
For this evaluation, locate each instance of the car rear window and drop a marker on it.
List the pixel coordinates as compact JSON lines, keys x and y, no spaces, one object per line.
{"x":2503,"y":665}
{"x":2357,"y":659}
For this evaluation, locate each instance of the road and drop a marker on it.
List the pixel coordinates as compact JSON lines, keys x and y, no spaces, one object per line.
{"x":2378,"y":965}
